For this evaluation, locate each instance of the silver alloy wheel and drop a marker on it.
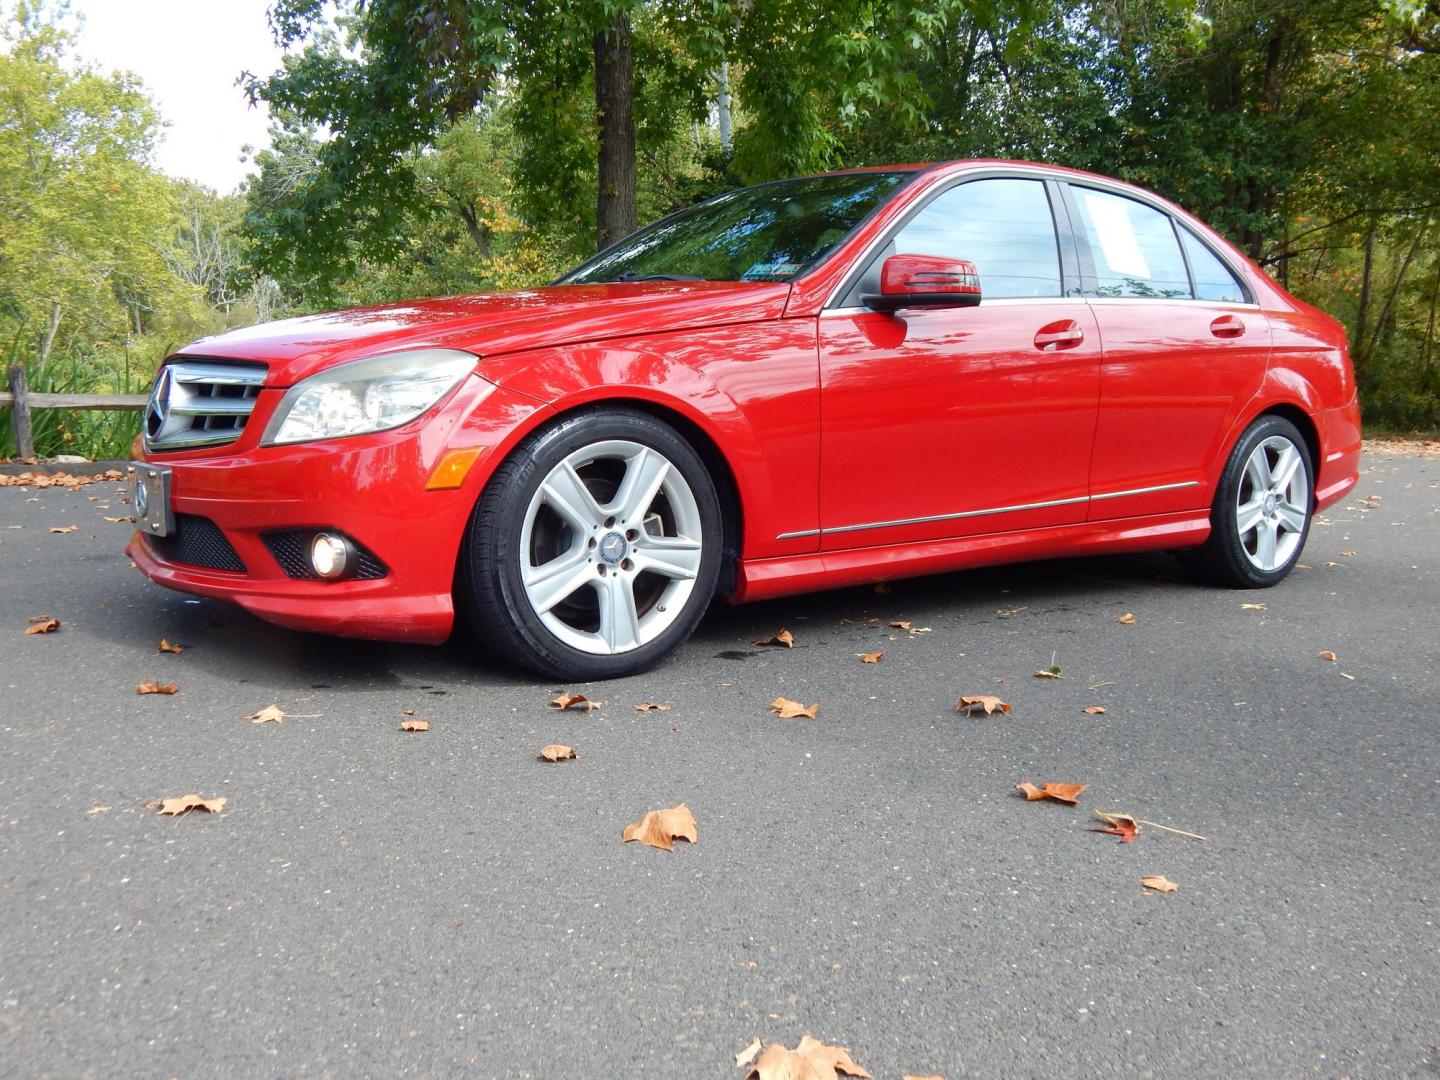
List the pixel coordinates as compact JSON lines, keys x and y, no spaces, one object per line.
{"x":610,"y":547}
{"x":1272,"y":503}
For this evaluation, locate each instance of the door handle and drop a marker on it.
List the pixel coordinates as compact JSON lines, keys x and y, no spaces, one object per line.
{"x":1059,"y":335}
{"x":1227,"y":326}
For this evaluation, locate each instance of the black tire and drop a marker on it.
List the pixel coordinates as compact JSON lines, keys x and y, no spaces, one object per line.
{"x":490,"y":591}
{"x":1226,"y":557}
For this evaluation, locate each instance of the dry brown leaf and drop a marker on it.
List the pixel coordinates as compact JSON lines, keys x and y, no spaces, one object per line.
{"x":270,"y":714}
{"x":97,"y":810}
{"x":781,"y":637}
{"x":107,"y":517}
{"x":985,"y":703}
{"x":744,"y":1057}
{"x":1252,"y":607}
{"x":557,"y":752}
{"x":650,"y":706}
{"x":871,"y":657}
{"x":156,"y":688}
{"x":1121,"y":825}
{"x":165,"y":646}
{"x":414,"y":725}
{"x":183,"y":804}
{"x":574,"y":701}
{"x":1343,"y":554}
{"x":1069,"y":794}
{"x":810,"y":1060}
{"x":1006,"y":612}
{"x":1049,"y":673}
{"x":1094,"y":710}
{"x":908,"y":627}
{"x":42,"y":624}
{"x":1326,"y":654}
{"x":1126,"y":620}
{"x":1158,"y":882}
{"x":63,"y":528}
{"x":661,"y":828}
{"x":789,"y":710}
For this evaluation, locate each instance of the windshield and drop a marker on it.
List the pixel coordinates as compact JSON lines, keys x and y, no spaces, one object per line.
{"x":765,"y":233}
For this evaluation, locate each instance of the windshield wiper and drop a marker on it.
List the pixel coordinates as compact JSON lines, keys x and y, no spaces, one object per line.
{"x":630,"y":275}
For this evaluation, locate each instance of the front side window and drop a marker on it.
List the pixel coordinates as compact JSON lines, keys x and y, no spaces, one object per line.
{"x":1134,"y":247}
{"x":1003,"y":226}
{"x":1213,"y":279}
{"x":766,"y":233}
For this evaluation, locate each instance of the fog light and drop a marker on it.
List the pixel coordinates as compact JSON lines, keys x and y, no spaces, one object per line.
{"x":329,"y":555}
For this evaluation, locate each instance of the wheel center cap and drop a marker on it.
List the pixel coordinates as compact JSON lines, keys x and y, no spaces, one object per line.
{"x":1272,"y":502}
{"x":613,"y":548}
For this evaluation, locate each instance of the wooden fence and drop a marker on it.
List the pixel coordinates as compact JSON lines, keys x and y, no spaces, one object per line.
{"x":21,"y":402}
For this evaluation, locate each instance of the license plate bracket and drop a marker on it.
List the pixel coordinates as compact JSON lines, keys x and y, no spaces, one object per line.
{"x":150,"y":496}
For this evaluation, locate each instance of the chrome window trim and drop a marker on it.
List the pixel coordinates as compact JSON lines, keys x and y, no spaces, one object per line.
{"x":899,"y":522}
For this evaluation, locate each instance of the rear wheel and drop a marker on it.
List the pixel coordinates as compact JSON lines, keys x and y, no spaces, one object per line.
{"x":1263,"y":505}
{"x":595,"y":549}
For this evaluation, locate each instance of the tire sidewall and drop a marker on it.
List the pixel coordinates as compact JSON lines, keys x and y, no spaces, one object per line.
{"x":1223,"y":512}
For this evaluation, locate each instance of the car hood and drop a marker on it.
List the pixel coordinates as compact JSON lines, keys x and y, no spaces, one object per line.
{"x":489,"y":324}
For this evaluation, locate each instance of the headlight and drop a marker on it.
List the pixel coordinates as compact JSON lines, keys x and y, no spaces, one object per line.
{"x":366,"y":395}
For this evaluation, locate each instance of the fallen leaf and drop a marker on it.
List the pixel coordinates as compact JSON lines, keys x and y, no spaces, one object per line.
{"x":871,"y":657}
{"x":810,"y":1060}
{"x":1121,"y":825}
{"x":1069,"y":794}
{"x":1326,"y":654}
{"x":661,"y":828}
{"x":1051,"y":672}
{"x":97,"y":810}
{"x":270,"y":714}
{"x":408,"y":712}
{"x":1094,"y":710}
{"x":42,"y":624}
{"x":1158,"y":882}
{"x":1343,"y":554}
{"x":650,"y":706}
{"x":1252,"y":607}
{"x":183,"y":804}
{"x":744,"y":1057}
{"x":789,"y":710}
{"x":156,"y":688}
{"x":414,"y":725}
{"x":107,"y":517}
{"x":899,"y":625}
{"x":983,"y":702}
{"x":908,"y":627}
{"x":574,"y":701}
{"x":71,"y":528}
{"x":781,"y":637}
{"x":1126,"y":620}
{"x":557,"y":752}
{"x":1006,"y":612}
{"x":165,"y":646}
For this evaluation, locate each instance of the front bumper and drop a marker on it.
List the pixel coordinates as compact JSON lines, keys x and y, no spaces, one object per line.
{"x":370,"y":487}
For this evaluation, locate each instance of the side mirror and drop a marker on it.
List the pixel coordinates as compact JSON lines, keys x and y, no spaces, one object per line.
{"x":925,"y":281}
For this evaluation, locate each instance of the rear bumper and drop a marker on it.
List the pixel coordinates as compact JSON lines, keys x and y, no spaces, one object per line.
{"x":1339,"y":470}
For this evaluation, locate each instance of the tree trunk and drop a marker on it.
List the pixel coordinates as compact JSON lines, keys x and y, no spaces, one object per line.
{"x":1427,"y":368}
{"x":1385,"y":311}
{"x":615,"y":214}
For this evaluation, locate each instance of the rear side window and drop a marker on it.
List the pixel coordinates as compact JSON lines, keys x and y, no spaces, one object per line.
{"x":1213,"y":279}
{"x":1003,"y":226}
{"x":1134,"y":246}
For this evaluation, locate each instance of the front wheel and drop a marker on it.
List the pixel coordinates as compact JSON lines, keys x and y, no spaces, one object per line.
{"x":595,"y":548}
{"x":1262,"y":509}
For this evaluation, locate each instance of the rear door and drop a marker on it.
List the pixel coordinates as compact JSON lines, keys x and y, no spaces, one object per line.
{"x":1185,"y":350}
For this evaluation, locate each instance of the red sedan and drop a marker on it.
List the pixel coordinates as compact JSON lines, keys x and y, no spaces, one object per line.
{"x":805,"y":384}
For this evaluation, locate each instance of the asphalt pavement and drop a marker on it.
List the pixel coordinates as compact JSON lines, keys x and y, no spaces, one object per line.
{"x":382,"y":904}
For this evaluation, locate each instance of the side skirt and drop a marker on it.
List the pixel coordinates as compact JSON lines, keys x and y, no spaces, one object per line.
{"x":761,"y":579}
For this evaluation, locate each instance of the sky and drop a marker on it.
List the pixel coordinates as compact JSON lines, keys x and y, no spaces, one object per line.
{"x":188,"y":53}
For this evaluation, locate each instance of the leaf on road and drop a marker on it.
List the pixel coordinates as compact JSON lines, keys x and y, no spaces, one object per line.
{"x":1121,"y":825}
{"x":973,"y":704}
{"x":661,"y":828}
{"x":63,"y":528}
{"x":414,"y":725}
{"x":574,"y":701}
{"x":165,"y":646}
{"x":156,"y":688}
{"x":42,"y":624}
{"x":270,"y":714}
{"x":1095,"y":710}
{"x":650,"y":706}
{"x":782,"y":637}
{"x":183,"y":804}
{"x":557,"y":752}
{"x":107,"y":517}
{"x":1343,"y":554}
{"x":908,"y":627}
{"x":744,"y":1057}
{"x":97,"y":810}
{"x":871,"y":657}
{"x":1051,"y":672}
{"x":1158,"y":882}
{"x":1252,"y":607}
{"x":1326,"y":654}
{"x":810,"y":1060}
{"x":789,"y":710}
{"x":1007,"y":612}
{"x":1069,"y":794}
{"x":1126,"y":620}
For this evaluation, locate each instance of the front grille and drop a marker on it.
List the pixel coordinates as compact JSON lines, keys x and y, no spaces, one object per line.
{"x":200,"y":403}
{"x":291,"y":549}
{"x":197,"y":541}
